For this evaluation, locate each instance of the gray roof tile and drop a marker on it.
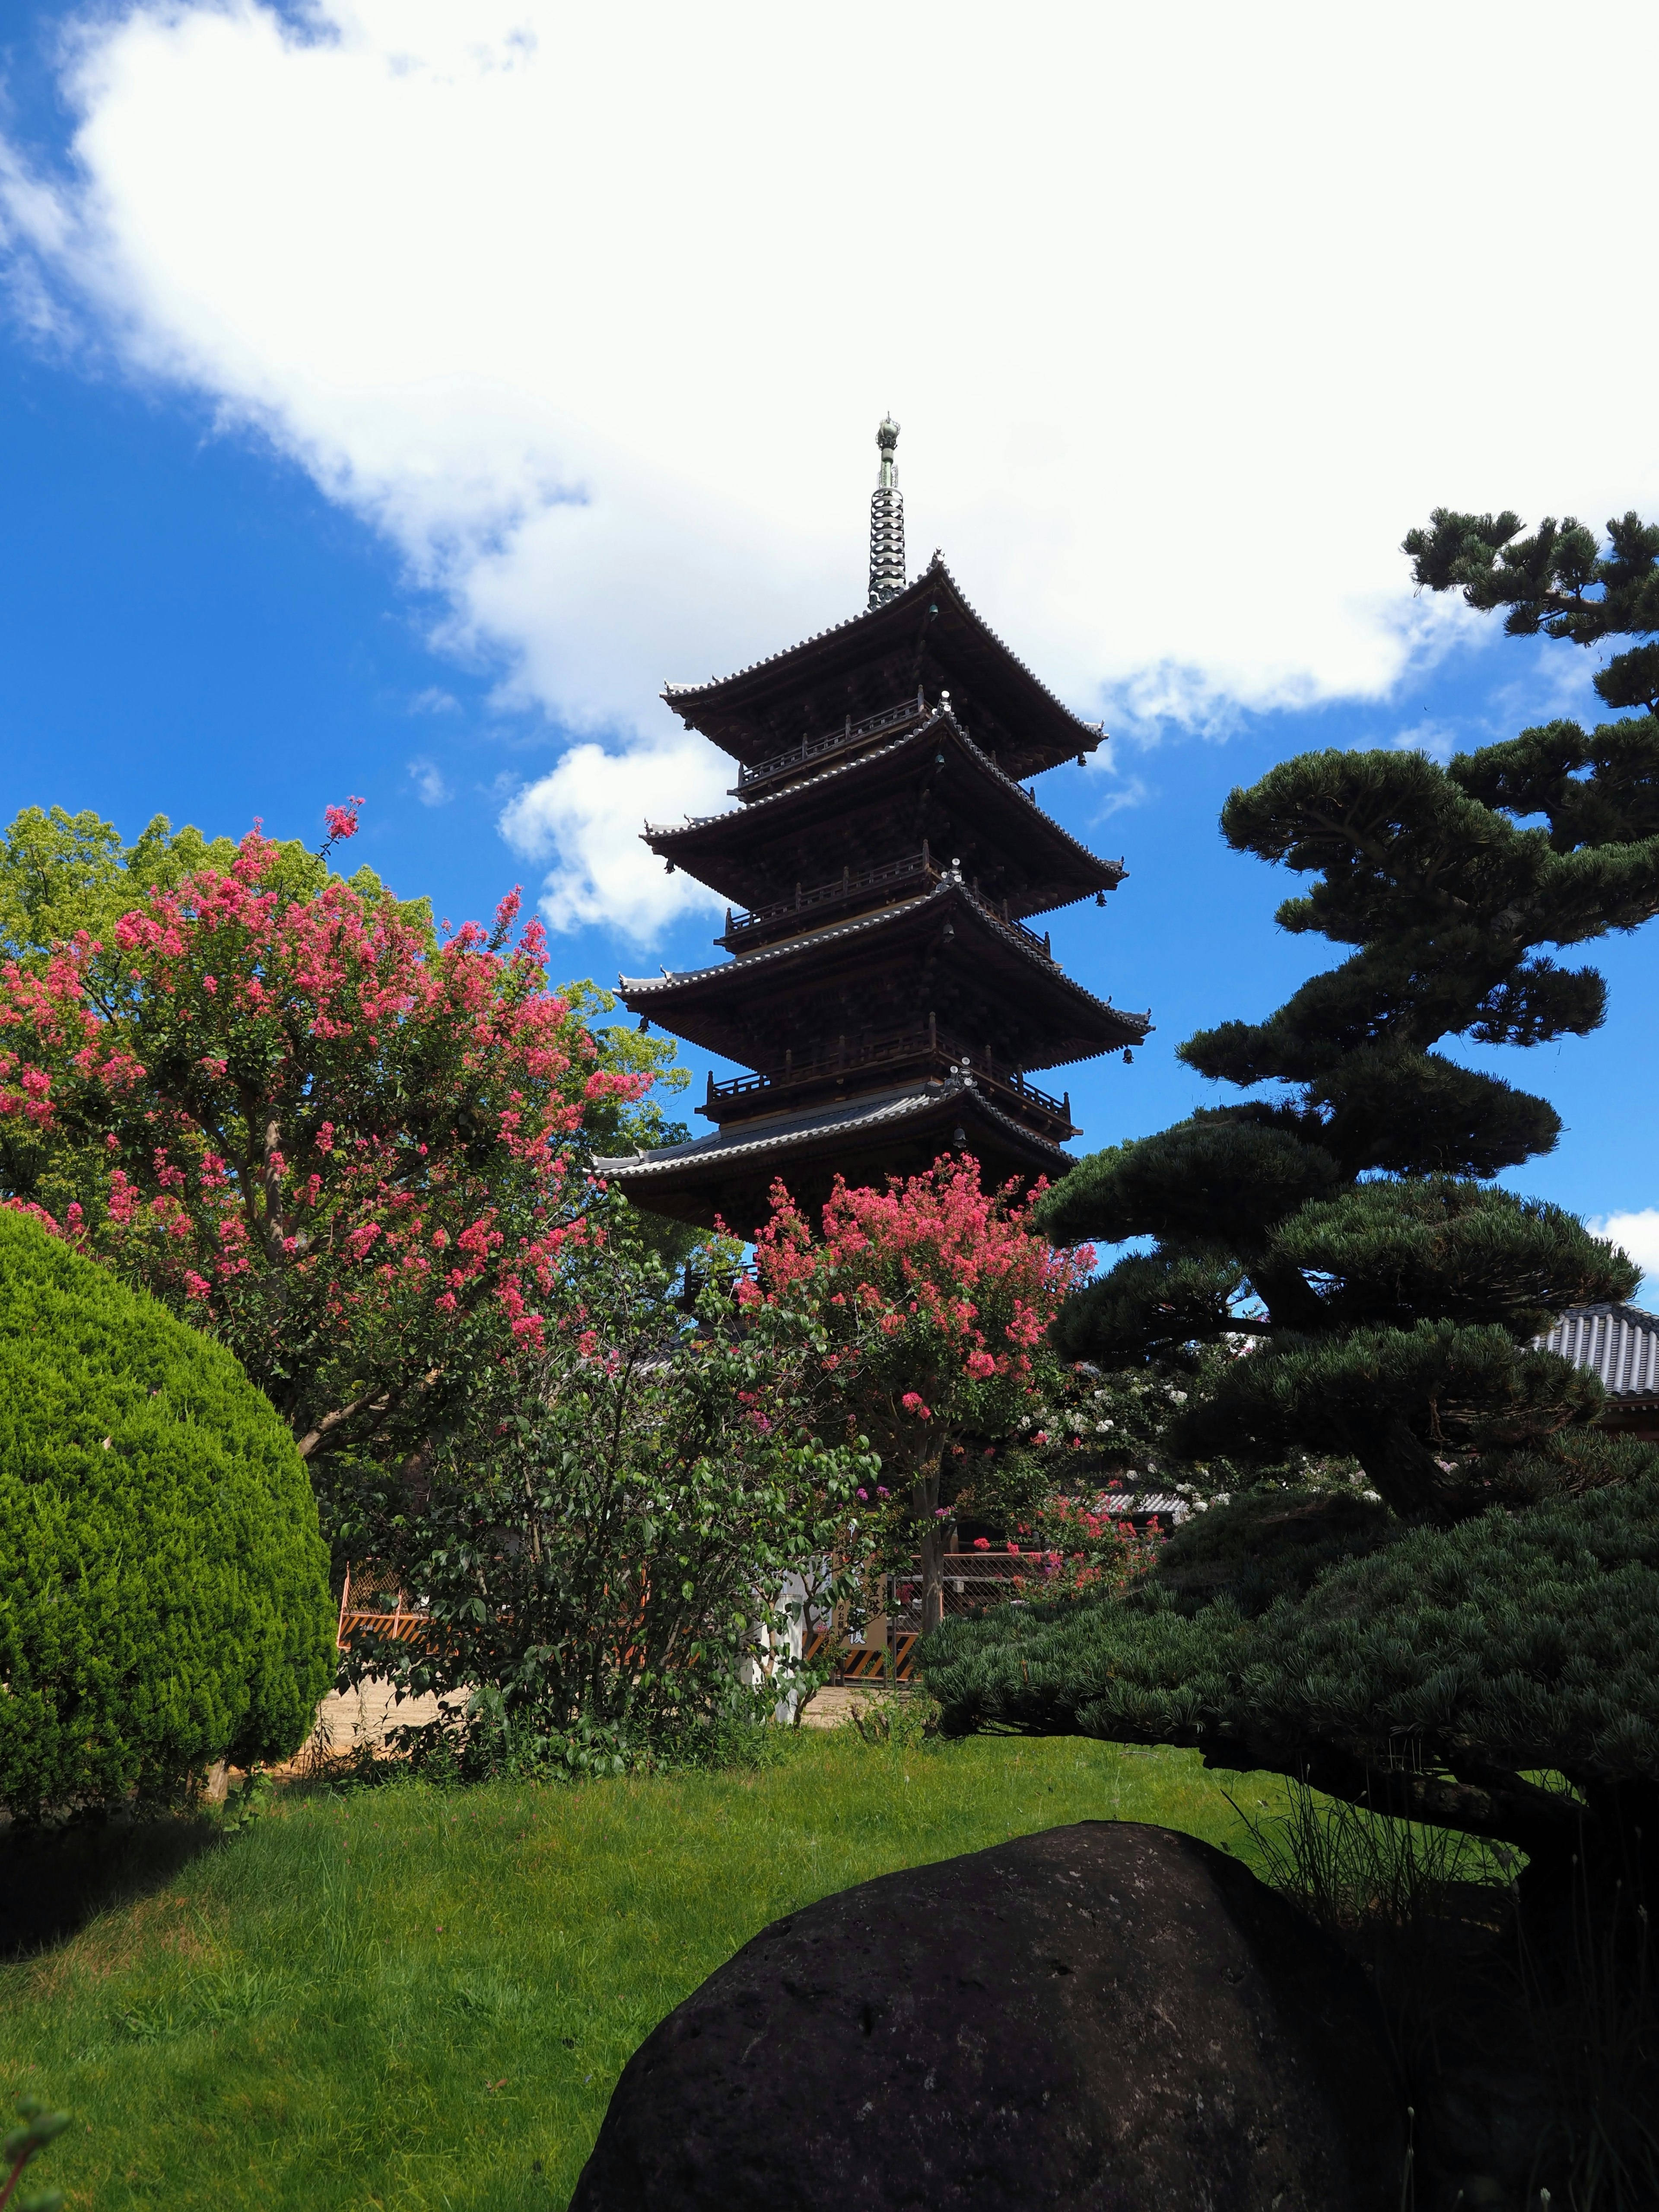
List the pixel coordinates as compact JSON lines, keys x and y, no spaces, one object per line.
{"x":850,"y":1115}
{"x":756,"y":810}
{"x":641,"y":987}
{"x":672,"y":692}
{"x":1620,"y":1343}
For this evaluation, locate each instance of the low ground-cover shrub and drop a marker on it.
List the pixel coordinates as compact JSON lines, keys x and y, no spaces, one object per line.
{"x":164,"y":1597}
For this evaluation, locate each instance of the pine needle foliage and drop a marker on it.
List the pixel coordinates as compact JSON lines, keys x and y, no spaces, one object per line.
{"x":1339,"y":1275}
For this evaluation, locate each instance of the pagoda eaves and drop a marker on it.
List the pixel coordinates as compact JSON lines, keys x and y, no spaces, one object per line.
{"x":926,"y":637}
{"x":932,"y":778}
{"x":729,"y":1175}
{"x":942,"y":953}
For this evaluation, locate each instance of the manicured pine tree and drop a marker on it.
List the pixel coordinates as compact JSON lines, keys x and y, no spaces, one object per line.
{"x":1487,"y":1607}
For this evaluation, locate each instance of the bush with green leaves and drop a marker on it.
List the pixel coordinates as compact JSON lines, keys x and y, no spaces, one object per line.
{"x":164,"y":1600}
{"x":608,"y":1545}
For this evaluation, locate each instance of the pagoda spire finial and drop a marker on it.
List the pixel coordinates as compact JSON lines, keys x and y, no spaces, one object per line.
{"x":886,"y":522}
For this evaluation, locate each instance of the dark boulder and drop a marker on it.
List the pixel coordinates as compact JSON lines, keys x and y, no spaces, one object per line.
{"x":1104,"y":2016}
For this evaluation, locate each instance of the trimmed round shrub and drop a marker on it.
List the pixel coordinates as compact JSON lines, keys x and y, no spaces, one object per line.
{"x":164,"y":1598}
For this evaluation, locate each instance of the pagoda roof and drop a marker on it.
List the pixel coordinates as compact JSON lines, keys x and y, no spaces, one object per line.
{"x":886,"y":651}
{"x":746,"y":854}
{"x":895,"y":1132}
{"x":732,"y":1005}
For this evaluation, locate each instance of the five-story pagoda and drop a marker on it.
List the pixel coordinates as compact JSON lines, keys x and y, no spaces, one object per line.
{"x":883,"y":862}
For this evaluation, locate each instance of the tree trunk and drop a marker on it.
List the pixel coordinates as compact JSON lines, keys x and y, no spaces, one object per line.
{"x":932,"y":1576}
{"x":924,"y":1498}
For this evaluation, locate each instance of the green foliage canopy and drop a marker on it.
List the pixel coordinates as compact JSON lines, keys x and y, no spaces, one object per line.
{"x":164,"y":1602}
{"x":1559,"y":581}
{"x":607,"y":1548}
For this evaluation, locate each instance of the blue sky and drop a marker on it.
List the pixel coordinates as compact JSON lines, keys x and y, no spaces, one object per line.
{"x":265,"y":546}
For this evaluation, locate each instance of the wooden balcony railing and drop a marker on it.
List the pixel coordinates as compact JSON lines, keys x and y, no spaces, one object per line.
{"x":911,"y":876}
{"x":832,"y":741}
{"x":906,"y":878}
{"x":890,"y":1053}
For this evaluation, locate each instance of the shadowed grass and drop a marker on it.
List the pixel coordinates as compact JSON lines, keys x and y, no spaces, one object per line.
{"x":407,"y":1998}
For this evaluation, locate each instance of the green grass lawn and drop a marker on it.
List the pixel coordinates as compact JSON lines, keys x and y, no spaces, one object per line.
{"x":408,"y":1997}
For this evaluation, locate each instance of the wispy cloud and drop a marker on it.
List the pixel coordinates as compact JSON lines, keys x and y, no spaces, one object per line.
{"x":434,"y":699}
{"x":430,"y":788}
{"x":1439,"y":741}
{"x":1637,"y":1233}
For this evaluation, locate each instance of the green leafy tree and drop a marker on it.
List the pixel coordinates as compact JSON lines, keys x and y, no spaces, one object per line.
{"x":164,"y":1602}
{"x":608,"y":1548}
{"x":1365,"y":1291}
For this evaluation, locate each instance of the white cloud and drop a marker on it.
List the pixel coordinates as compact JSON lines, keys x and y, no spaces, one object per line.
{"x":1439,"y":741}
{"x":1637,"y":1234}
{"x":586,"y":817}
{"x":427,"y":778}
{"x":1187,"y":313}
{"x":434,"y":701}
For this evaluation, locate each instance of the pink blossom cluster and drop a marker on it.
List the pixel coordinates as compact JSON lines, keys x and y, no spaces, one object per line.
{"x":312,"y":1085}
{"x":931,"y":1258}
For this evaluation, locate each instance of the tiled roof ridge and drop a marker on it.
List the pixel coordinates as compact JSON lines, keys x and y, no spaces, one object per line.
{"x":880,"y":752}
{"x":710,"y":1147}
{"x":1614,"y":1340}
{"x":673,"y":691}
{"x":639,"y":986}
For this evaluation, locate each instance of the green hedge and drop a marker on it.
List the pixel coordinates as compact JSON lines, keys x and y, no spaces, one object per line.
{"x":164,"y":1597}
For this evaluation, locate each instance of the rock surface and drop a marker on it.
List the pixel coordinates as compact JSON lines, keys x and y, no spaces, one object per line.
{"x":1106,"y":2016}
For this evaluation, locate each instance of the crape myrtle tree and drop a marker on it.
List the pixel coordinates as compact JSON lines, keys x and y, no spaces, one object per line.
{"x":1334,"y":1261}
{"x":929,"y":1303}
{"x":348,"y":1150}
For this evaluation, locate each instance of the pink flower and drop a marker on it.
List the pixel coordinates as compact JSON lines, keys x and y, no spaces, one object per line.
{"x":981,"y":1543}
{"x":341,"y":820}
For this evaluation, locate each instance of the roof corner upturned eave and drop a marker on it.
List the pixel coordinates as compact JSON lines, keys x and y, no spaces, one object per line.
{"x":710,"y":707}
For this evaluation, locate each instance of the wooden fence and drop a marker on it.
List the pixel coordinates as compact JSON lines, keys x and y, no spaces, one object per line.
{"x":373,"y":1600}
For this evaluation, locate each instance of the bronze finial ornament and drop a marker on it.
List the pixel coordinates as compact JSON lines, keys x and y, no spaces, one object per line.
{"x":886,"y":522}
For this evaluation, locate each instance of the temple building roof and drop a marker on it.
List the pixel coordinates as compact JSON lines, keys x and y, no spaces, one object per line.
{"x":932,"y":778}
{"x":926,"y":635}
{"x":1618,"y":1343}
{"x":944,"y":951}
{"x":900,"y":1132}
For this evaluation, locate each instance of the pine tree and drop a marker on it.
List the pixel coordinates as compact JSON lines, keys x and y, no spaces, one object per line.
{"x":1487,"y":1606}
